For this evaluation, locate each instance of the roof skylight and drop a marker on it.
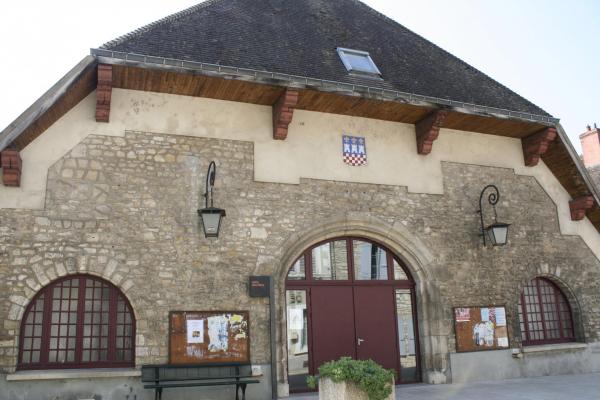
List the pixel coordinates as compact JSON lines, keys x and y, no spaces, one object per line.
{"x":357,"y":61}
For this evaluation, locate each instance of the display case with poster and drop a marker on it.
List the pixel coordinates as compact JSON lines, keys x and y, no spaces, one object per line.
{"x":197,"y":337}
{"x":480,"y":328}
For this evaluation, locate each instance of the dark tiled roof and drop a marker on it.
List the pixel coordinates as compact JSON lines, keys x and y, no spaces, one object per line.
{"x":299,"y":37}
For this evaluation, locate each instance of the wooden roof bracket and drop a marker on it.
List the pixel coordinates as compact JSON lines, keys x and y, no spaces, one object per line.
{"x":283,"y":112}
{"x":103,"y":92}
{"x":11,"y":163}
{"x":428,"y":130}
{"x":537,"y":144}
{"x":579,"y":206}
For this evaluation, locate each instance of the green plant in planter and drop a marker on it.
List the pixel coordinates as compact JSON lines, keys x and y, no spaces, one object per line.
{"x":371,"y":377}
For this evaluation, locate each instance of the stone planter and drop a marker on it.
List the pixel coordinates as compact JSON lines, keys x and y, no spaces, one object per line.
{"x":330,"y":390}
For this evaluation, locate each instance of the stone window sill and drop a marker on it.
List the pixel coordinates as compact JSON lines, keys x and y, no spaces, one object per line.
{"x":546,"y":348}
{"x":73,"y":374}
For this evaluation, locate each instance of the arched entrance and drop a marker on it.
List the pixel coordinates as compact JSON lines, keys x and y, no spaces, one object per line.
{"x":350,"y":296}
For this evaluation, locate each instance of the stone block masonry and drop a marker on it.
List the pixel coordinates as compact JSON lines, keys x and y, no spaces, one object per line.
{"x":125,"y":209}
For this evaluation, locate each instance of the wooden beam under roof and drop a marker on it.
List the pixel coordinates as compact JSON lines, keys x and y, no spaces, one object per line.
{"x":53,"y":105}
{"x":10,"y":161}
{"x":580,"y":206}
{"x":537,"y":144}
{"x":103,"y":92}
{"x":283,"y":112}
{"x":428,"y":130}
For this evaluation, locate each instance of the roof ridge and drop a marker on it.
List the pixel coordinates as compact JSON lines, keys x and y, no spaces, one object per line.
{"x":388,"y":19}
{"x":169,"y":18}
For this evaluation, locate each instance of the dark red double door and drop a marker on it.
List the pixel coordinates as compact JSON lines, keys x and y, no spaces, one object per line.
{"x":354,"y":321}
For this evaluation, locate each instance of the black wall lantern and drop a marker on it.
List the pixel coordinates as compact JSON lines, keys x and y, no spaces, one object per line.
{"x":211,"y":216}
{"x":498,"y":231}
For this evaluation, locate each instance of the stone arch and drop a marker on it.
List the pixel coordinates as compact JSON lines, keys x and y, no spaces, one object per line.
{"x":18,"y":302}
{"x":417,"y":259}
{"x":109,"y":273}
{"x":554,"y":276}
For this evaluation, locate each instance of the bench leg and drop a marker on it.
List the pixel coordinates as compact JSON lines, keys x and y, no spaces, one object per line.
{"x":237,"y":388}
{"x":158,"y":394}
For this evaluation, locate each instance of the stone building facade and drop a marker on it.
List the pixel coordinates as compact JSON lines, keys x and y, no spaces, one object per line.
{"x":117,"y":198}
{"x":123,"y":207}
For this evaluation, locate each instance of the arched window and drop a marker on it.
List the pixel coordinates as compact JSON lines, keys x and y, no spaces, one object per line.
{"x":79,"y":321}
{"x":544,"y":314}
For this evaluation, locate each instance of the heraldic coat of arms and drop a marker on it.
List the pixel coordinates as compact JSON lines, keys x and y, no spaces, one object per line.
{"x":354,"y":150}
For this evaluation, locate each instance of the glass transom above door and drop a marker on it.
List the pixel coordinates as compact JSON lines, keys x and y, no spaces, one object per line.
{"x":347,"y":259}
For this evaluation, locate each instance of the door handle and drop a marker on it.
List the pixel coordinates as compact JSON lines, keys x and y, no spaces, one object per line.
{"x":360,"y":341}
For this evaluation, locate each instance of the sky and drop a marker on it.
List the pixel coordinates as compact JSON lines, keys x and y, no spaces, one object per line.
{"x":548,"y":51}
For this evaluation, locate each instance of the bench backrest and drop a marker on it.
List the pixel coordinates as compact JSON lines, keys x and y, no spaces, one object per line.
{"x":168,"y":372}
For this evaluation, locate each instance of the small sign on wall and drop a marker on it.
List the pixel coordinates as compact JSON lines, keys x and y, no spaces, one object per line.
{"x":354,"y":150}
{"x":259,"y":286}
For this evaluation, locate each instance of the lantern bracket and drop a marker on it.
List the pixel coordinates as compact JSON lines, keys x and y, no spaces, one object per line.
{"x":210,"y":182}
{"x":492,"y":198}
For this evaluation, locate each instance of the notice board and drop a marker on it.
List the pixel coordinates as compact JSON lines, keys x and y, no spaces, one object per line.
{"x":480,"y":328}
{"x":197,"y":337}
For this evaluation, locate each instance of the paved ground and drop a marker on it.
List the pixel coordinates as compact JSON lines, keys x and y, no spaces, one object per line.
{"x":565,"y":387}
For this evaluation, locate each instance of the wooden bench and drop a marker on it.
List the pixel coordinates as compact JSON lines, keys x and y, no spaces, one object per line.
{"x":161,"y":376}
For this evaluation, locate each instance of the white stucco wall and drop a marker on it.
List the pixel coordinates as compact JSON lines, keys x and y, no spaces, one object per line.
{"x":312,"y":149}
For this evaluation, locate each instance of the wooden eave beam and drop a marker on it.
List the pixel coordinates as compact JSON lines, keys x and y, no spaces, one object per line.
{"x":580,"y":206}
{"x":537,"y":144}
{"x":428,"y":130}
{"x":11,"y":163}
{"x":104,"y":92}
{"x":283,"y":112}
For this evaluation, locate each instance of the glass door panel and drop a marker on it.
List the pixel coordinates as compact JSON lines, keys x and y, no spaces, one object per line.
{"x":297,"y":339}
{"x":406,"y":336}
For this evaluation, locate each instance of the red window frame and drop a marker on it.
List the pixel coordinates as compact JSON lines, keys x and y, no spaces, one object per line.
{"x":351,"y":280}
{"x":545,"y":315}
{"x":107,"y":327}
{"x":309,"y":282}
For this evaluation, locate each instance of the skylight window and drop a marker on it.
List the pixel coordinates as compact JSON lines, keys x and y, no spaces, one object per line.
{"x":357,"y":61}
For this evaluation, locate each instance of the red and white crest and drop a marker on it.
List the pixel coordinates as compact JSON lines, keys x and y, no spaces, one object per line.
{"x":354,"y":150}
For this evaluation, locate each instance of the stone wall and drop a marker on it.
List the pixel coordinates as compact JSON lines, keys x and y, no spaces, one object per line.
{"x":124,"y":208}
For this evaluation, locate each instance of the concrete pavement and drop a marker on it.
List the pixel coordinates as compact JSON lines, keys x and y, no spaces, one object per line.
{"x":570,"y":387}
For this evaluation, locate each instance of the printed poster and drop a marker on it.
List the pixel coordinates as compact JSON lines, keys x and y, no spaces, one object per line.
{"x":462,"y":314}
{"x":218,"y":333}
{"x":485,"y":315}
{"x":483,"y":334}
{"x":502,"y":342}
{"x":296,"y":318}
{"x":500,"y":316}
{"x":195,"y":331}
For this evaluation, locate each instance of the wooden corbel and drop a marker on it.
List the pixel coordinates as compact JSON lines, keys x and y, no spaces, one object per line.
{"x":103,"y":92}
{"x":11,"y":167}
{"x":537,"y":144}
{"x":428,"y":129}
{"x":283,"y":111}
{"x":579,"y":206}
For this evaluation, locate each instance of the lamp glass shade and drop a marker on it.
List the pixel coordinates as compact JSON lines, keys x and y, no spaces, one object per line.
{"x":211,"y":220}
{"x":498,"y":233}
